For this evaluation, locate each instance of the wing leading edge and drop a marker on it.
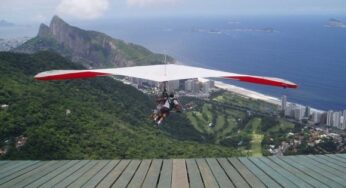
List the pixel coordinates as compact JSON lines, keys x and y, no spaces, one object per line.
{"x":162,"y":73}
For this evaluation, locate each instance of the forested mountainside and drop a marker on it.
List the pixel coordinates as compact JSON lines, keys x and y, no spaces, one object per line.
{"x":97,"y":118}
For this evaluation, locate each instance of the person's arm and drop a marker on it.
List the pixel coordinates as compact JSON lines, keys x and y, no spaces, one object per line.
{"x":177,"y":106}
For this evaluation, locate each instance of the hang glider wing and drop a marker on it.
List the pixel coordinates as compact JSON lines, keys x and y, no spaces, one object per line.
{"x":162,"y":73}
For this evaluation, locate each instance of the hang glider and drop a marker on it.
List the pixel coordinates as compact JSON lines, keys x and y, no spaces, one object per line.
{"x":163,"y":73}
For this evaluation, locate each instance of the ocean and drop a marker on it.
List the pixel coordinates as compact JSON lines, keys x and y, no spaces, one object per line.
{"x":297,"y":48}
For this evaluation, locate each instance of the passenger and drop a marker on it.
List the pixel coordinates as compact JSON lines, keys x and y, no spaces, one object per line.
{"x":165,"y":105}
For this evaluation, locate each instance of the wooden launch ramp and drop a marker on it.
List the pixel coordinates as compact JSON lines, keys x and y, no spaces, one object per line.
{"x":287,"y":171}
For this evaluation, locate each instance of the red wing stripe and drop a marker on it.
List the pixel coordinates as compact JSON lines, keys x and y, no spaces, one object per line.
{"x":264,"y":81}
{"x":73,"y":75}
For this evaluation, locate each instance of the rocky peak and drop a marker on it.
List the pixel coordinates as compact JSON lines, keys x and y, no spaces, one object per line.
{"x":59,"y":28}
{"x":43,"y":31}
{"x":90,"y":48}
{"x":57,"y":21}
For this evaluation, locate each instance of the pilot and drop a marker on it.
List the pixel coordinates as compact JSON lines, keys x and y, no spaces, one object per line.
{"x":165,"y":105}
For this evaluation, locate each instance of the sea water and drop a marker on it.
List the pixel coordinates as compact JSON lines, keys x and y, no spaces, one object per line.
{"x":297,"y":48}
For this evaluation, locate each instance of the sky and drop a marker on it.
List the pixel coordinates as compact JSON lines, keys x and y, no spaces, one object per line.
{"x":37,"y":11}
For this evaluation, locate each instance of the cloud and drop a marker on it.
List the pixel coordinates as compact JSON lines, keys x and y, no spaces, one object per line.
{"x":83,"y":9}
{"x":142,"y":3}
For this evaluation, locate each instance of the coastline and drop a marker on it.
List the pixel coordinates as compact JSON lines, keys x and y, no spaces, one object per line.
{"x":245,"y":92}
{"x":253,"y":94}
{"x":240,"y":90}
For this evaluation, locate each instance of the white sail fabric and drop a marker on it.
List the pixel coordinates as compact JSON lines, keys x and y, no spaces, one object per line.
{"x":161,"y":73}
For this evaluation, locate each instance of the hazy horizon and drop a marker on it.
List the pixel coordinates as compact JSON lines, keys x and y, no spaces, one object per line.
{"x":38,"y":11}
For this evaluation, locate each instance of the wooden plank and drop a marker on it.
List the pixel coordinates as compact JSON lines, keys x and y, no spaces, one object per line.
{"x":334,"y":180}
{"x":326,"y":167}
{"x":52,"y":182}
{"x":113,"y":175}
{"x":336,"y":158}
{"x":251,"y":178}
{"x":308,"y":170}
{"x":272,"y":173}
{"x":89,"y":174}
{"x":140,"y":174}
{"x":75,"y":175}
{"x":16,"y":167}
{"x":298,"y":173}
{"x":207,"y":175}
{"x":179,"y":174}
{"x":219,"y":174}
{"x":195,"y":178}
{"x":52,"y":174}
{"x":20,"y":172}
{"x":291,"y":177}
{"x":268,"y":181}
{"x":10,"y":164}
{"x":30,"y":174}
{"x":153,"y":174}
{"x":329,"y":160}
{"x":101,"y":174}
{"x":321,"y":169}
{"x":340,"y":155}
{"x":127,"y":174}
{"x":233,"y":174}
{"x":40,"y":174}
{"x":165,"y":180}
{"x":337,"y":166}
{"x":2,"y":163}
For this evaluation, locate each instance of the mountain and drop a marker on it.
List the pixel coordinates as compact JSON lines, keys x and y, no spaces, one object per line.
{"x":90,"y":48}
{"x":97,"y":118}
{"x":4,"y":23}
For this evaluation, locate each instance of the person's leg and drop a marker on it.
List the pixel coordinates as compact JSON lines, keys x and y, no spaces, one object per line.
{"x":164,"y":113}
{"x":163,"y":116}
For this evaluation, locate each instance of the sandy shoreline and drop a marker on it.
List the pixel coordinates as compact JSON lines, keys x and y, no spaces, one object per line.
{"x":241,"y":91}
{"x":245,"y":92}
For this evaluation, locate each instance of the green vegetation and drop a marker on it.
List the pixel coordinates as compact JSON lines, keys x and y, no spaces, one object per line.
{"x":237,"y":122}
{"x":86,"y":119}
{"x":256,"y":142}
{"x":102,"y":118}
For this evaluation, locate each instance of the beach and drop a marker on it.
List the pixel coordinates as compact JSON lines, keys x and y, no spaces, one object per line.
{"x":245,"y":92}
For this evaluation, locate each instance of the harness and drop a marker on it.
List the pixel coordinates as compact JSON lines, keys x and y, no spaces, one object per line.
{"x":171,"y":102}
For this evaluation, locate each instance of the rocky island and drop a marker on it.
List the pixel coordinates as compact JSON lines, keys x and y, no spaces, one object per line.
{"x":335,"y":23}
{"x":4,"y":23}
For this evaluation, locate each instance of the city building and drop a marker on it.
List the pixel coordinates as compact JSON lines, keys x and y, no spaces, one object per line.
{"x":188,"y":85}
{"x":289,"y":112}
{"x":207,"y":86}
{"x":307,"y":111}
{"x":283,"y":103}
{"x":336,"y":119}
{"x":196,"y":87}
{"x":192,"y":86}
{"x":329,"y":121}
{"x":316,"y":117}
{"x":344,"y":120}
{"x":299,"y":113}
{"x":173,"y":85}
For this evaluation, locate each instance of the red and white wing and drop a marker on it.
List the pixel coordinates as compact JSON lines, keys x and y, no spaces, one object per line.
{"x":162,"y":73}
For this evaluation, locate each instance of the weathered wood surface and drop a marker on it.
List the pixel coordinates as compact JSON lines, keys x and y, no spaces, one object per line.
{"x":290,"y":171}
